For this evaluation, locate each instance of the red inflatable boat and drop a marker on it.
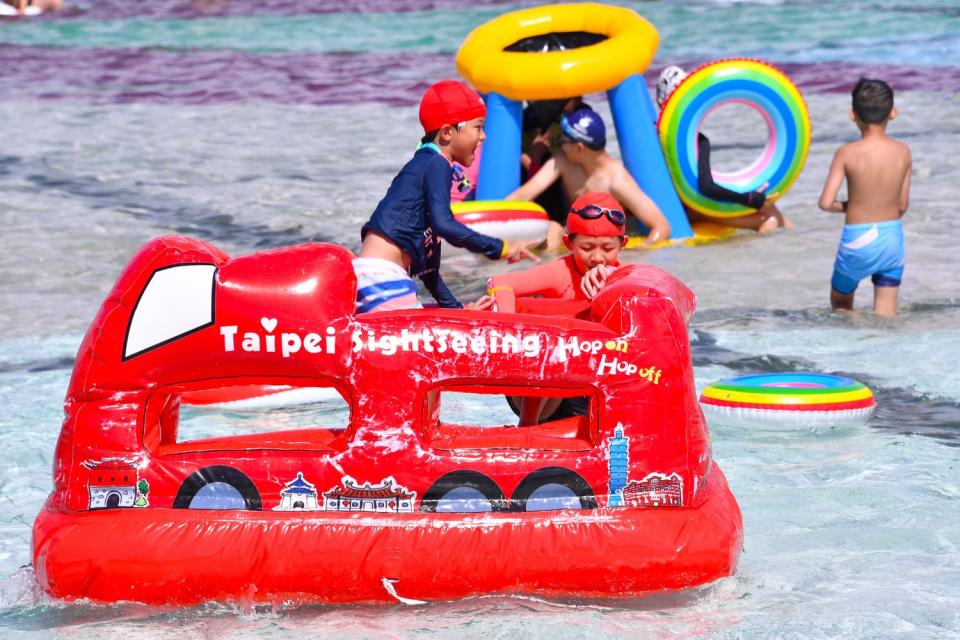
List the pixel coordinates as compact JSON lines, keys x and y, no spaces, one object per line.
{"x":621,"y":498}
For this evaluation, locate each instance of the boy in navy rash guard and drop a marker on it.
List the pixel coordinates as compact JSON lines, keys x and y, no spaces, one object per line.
{"x":402,"y":238}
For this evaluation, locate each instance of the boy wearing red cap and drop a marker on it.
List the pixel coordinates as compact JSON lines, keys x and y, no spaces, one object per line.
{"x":402,"y":238}
{"x":595,"y":235}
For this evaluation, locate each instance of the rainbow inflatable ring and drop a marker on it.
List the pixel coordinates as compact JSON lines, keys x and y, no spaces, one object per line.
{"x":789,"y":399}
{"x":737,"y":81}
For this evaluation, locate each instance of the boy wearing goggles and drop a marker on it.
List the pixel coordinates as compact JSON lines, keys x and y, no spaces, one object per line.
{"x":402,"y":238}
{"x":583,"y":166}
{"x":595,"y":235}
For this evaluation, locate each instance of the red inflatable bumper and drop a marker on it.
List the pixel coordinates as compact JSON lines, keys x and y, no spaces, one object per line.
{"x":191,"y":556}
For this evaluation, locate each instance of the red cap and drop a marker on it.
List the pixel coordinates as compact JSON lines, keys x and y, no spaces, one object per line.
{"x":449,"y":102}
{"x":601,"y":226}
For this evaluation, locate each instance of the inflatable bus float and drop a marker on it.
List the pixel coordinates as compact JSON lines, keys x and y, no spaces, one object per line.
{"x":397,"y":502}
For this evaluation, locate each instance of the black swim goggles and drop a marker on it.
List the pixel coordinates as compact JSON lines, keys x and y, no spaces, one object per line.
{"x":592,"y":212}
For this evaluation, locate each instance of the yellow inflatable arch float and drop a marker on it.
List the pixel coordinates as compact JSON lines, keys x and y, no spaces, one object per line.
{"x":490,"y":61}
{"x":559,"y":51}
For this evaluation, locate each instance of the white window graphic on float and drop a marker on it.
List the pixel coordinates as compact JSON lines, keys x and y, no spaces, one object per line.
{"x":176,"y":301}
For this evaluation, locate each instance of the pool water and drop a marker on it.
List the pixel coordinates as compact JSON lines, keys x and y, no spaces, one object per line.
{"x":253,"y":126}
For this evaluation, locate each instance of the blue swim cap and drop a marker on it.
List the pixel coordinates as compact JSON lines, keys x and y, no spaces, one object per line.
{"x":586,"y":126}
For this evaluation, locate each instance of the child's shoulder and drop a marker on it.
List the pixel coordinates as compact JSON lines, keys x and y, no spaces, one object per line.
{"x":855,"y":149}
{"x":849,"y":147}
{"x":891,"y":148}
{"x":426,"y":162}
{"x":903,"y":147}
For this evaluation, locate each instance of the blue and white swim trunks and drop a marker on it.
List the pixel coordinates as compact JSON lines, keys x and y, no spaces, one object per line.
{"x":873,"y":249}
{"x":383,"y":286}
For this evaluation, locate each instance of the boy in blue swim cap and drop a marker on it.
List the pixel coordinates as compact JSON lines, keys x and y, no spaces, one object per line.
{"x":584,"y":166}
{"x":402,"y":237}
{"x":877,"y":170}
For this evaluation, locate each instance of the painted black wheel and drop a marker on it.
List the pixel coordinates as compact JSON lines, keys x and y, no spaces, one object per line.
{"x":463,"y":492}
{"x":551,"y":489}
{"x":218,"y":487}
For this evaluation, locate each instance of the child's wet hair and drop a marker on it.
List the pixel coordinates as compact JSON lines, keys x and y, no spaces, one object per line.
{"x":872,"y":101}
{"x":432,"y":135}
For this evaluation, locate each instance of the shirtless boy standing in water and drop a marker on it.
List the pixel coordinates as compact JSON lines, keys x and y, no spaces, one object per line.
{"x":877,"y":170}
{"x":584,"y":167}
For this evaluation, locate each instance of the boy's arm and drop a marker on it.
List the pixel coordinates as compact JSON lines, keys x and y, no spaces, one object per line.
{"x":431,"y":279}
{"x":503,"y":296}
{"x":541,"y":180}
{"x":828,"y":198}
{"x":905,"y":187}
{"x":507,"y":287}
{"x":440,"y":218}
{"x":708,"y":187}
{"x":439,"y":290}
{"x":626,"y":190}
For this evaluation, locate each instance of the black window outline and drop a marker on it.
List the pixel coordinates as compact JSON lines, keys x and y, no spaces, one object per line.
{"x":213,"y":310}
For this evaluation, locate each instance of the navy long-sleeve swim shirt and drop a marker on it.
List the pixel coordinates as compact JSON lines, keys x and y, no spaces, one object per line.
{"x":415,"y":214}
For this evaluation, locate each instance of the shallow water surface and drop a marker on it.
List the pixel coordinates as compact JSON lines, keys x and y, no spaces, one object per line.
{"x":254,"y":126}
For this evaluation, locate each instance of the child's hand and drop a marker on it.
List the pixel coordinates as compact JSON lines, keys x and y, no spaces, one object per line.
{"x":653,"y":238}
{"x":482,"y":304}
{"x":594,"y":279}
{"x":540,"y":147}
{"x":517,"y":251}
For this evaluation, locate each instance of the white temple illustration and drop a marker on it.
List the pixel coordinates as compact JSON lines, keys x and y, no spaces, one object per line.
{"x":385,"y":497}
{"x":298,"y":495}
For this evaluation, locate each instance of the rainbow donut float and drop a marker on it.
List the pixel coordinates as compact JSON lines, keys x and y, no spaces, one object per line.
{"x":754,"y":84}
{"x":512,"y":220}
{"x":790,"y":399}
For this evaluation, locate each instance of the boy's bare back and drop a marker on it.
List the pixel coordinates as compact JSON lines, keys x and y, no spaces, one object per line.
{"x":876,"y":167}
{"x":877,"y":170}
